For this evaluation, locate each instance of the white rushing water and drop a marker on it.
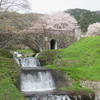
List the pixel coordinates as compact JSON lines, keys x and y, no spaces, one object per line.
{"x":28,"y":62}
{"x":50,"y":97}
{"x":37,"y":81}
{"x":35,"y":78}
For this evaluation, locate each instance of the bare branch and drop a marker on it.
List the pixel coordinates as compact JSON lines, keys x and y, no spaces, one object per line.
{"x":1,"y":2}
{"x":14,"y":5}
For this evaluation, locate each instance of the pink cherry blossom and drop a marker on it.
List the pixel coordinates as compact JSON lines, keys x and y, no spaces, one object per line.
{"x":57,"y":21}
{"x":93,"y":29}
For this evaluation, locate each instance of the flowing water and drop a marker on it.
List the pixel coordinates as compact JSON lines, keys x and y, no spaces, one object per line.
{"x":36,"y":80}
{"x":49,"y":97}
{"x":28,"y":62}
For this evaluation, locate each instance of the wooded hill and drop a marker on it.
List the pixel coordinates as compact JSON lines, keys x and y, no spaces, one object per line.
{"x":84,"y":17}
{"x":11,"y":21}
{"x":97,"y":12}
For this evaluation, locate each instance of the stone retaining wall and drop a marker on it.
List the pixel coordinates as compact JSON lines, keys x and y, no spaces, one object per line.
{"x":92,"y":85}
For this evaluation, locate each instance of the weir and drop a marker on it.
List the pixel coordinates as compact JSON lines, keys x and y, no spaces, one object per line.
{"x":36,"y":82}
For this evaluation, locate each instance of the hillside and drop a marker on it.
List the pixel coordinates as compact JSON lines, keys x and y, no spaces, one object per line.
{"x":8,"y":74}
{"x":84,"y":17}
{"x":12,"y":21}
{"x":79,"y":58}
{"x":97,"y":12}
{"x":80,"y":61}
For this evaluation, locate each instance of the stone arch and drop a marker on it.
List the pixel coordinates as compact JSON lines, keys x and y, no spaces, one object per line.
{"x":53,"y":44}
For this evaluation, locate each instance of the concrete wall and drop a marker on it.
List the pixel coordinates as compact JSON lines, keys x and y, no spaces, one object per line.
{"x":78,"y":33}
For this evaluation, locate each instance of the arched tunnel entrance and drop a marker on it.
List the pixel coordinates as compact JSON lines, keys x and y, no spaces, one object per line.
{"x":53,"y":44}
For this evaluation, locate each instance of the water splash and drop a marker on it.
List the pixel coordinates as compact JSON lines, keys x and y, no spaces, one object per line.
{"x":28,"y":62}
{"x":37,"y":80}
{"x":49,"y":97}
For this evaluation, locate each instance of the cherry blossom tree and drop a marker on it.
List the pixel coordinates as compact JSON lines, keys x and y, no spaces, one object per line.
{"x":57,"y":21}
{"x":54,"y":22}
{"x":93,"y":29}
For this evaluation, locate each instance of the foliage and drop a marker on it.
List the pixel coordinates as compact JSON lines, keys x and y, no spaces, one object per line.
{"x":97,"y":12}
{"x":57,"y":21}
{"x":93,"y":29}
{"x":84,"y":17}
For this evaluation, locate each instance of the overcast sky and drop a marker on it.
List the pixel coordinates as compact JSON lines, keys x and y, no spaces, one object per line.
{"x":48,"y":6}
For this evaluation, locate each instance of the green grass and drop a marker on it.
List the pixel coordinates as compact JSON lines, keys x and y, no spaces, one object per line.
{"x":81,"y":60}
{"x":84,"y":73}
{"x":26,"y":51}
{"x":76,"y":89}
{"x":8,"y":73}
{"x":8,"y":91}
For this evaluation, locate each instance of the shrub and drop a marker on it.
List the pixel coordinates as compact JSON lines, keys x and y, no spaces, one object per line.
{"x":46,"y":57}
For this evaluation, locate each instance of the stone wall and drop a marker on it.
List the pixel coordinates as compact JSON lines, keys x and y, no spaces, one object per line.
{"x":80,"y":95}
{"x":60,"y":79}
{"x":94,"y":86}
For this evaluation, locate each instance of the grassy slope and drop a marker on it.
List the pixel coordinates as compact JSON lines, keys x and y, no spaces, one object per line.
{"x":8,"y":70}
{"x":81,"y":60}
{"x":27,"y":52}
